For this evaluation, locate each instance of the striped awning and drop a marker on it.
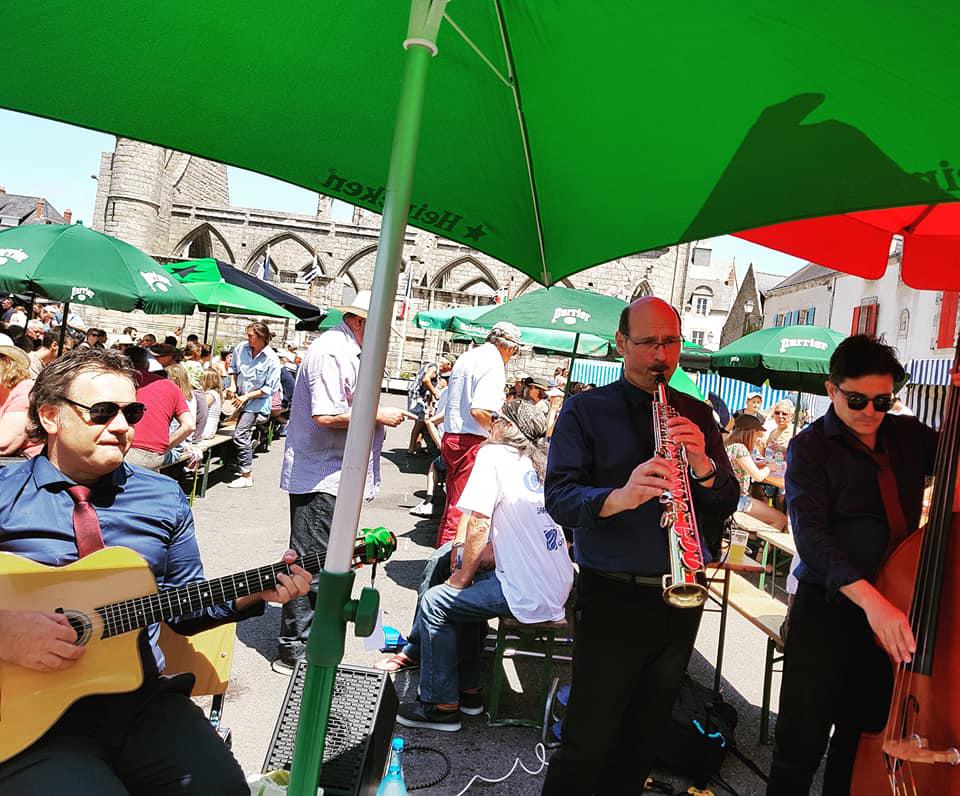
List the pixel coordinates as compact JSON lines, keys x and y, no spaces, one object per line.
{"x":734,"y":393}
{"x":927,"y":402}
{"x":598,"y":373}
{"x":935,"y":372}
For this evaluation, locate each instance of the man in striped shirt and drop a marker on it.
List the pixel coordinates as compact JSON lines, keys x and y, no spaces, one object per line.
{"x":313,"y":455}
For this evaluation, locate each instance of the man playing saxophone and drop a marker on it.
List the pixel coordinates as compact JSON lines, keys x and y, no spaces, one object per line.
{"x":605,"y":480}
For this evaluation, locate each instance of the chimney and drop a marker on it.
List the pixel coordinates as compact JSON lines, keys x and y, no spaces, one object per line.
{"x":2,"y":189}
{"x":67,"y":216}
{"x":41,"y":204}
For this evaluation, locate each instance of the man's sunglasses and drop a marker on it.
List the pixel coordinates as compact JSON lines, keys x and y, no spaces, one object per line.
{"x":103,"y":412}
{"x":858,"y":401}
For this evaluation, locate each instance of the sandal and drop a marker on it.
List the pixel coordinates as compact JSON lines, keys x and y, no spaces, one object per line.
{"x":396,"y":663}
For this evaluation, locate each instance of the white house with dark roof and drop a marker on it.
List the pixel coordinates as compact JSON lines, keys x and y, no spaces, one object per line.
{"x":17,"y":210}
{"x":709,"y":291}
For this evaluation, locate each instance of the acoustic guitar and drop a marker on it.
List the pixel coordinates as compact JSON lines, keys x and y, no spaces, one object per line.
{"x":106,"y":596}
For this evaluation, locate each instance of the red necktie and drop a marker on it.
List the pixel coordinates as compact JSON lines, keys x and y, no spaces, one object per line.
{"x":86,"y":526}
{"x":890,"y":495}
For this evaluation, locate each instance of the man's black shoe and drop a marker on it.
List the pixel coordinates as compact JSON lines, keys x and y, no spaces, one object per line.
{"x":428,"y":717}
{"x":471,"y":703}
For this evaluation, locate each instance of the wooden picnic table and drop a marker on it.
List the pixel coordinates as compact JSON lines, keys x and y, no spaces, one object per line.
{"x":727,"y":567}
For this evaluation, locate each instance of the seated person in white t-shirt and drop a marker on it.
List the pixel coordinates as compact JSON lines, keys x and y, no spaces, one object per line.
{"x":503,"y":499}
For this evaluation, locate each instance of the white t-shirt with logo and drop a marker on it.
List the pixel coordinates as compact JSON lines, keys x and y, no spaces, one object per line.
{"x":533,"y":565}
{"x":476,"y":382}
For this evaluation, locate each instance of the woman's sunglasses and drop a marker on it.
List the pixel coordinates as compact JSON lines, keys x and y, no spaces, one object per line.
{"x":103,"y":412}
{"x":858,"y":401}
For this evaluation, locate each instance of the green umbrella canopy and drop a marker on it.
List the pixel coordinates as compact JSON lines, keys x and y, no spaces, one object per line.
{"x":554,"y":340}
{"x":681,"y":382}
{"x":545,"y":143}
{"x":560,"y":309}
{"x":76,"y":264}
{"x":232,"y":300}
{"x":440,"y":320}
{"x":789,"y":357}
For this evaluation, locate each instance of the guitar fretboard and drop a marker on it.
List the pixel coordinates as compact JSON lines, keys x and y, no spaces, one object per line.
{"x":162,"y":606}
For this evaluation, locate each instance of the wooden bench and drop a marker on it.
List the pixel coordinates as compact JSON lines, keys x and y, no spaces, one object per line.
{"x":209,"y":657}
{"x":750,"y":524}
{"x":202,"y":473}
{"x":767,"y":615}
{"x":777,"y":542}
{"x":538,"y":639}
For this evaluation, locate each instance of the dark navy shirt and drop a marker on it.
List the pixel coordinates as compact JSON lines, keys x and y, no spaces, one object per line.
{"x":600,"y":437}
{"x":834,"y":500}
{"x":137,"y":509}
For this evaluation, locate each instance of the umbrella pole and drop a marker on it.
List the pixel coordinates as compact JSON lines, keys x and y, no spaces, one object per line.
{"x":573,"y":356}
{"x":216,"y":325}
{"x":286,"y":330}
{"x":334,"y":608}
{"x":796,"y":414}
{"x":63,"y":327}
{"x":206,"y":328}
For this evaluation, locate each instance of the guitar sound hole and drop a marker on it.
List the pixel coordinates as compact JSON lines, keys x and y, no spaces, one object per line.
{"x":81,"y":625}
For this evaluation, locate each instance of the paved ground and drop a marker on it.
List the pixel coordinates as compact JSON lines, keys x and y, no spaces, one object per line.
{"x":239,"y":529}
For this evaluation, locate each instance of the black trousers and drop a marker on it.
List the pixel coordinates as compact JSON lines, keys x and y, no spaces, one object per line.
{"x":630,"y":654}
{"x":834,"y":675}
{"x":310,"y":518}
{"x":152,"y":742}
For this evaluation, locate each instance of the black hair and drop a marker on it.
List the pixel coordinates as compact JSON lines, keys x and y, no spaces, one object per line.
{"x":862,"y":355}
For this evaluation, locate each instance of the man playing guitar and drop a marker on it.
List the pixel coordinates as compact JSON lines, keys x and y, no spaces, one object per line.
{"x":74,"y":498}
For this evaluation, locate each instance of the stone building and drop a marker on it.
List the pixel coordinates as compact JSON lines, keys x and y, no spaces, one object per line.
{"x":747,"y":310}
{"x":175,"y":205}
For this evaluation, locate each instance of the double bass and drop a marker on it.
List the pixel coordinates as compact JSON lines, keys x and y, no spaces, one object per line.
{"x":918,"y":751}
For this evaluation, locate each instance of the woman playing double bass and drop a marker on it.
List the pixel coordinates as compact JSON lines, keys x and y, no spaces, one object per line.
{"x":854,"y":484}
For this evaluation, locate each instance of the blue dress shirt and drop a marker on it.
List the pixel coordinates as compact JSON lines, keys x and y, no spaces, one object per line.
{"x":260,"y":372}
{"x":833,"y":495}
{"x":137,"y":509}
{"x":600,"y":437}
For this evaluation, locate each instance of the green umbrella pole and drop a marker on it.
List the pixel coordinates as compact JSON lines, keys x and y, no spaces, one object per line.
{"x":206,"y":327}
{"x":573,"y":356}
{"x":326,"y":643}
{"x":63,"y":326}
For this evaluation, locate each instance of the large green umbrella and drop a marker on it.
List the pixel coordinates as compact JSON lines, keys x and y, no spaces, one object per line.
{"x":76,"y":265}
{"x":547,"y":143}
{"x":560,"y":309}
{"x":789,"y":357}
{"x":547,"y":339}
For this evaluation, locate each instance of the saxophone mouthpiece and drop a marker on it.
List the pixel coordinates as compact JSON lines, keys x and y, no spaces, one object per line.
{"x":660,"y":378}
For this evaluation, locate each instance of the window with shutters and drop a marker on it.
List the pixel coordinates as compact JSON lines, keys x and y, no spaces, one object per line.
{"x":947,"y":328}
{"x":865,"y":318}
{"x":810,"y":315}
{"x":778,"y":319}
{"x":802,"y":318}
{"x":697,"y":337}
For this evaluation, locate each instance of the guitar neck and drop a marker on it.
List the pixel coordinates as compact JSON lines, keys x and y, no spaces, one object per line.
{"x":162,"y":606}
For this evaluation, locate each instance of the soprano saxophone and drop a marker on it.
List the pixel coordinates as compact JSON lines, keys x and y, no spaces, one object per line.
{"x":682,"y":588}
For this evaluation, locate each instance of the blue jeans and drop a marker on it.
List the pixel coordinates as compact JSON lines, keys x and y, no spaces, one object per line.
{"x":435,"y":572}
{"x":452,"y":628}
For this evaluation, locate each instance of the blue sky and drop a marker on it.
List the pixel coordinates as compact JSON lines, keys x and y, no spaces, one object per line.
{"x":39,"y":157}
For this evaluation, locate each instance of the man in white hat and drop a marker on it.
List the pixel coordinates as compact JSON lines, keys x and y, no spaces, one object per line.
{"x":313,"y":455}
{"x":475,"y":397}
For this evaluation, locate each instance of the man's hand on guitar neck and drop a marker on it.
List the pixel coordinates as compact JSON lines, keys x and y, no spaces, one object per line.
{"x":37,"y":640}
{"x":288,"y":587}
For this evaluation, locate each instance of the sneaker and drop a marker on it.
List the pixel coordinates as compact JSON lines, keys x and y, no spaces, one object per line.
{"x":241,"y":482}
{"x":281,"y":666}
{"x":471,"y":703}
{"x":428,"y":717}
{"x":425,"y":509}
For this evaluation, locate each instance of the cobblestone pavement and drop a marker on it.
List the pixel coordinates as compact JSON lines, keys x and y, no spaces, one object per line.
{"x":239,"y":529}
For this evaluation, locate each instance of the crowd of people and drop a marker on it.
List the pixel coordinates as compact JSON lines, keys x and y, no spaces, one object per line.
{"x":540,"y":477}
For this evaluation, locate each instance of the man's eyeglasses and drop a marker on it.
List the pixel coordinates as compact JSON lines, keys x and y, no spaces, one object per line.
{"x":858,"y":401}
{"x":652,"y":343}
{"x":103,"y":412}
{"x":783,"y":414}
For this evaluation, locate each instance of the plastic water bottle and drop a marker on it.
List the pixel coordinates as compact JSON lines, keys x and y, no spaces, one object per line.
{"x":779,"y":467}
{"x":392,"y":784}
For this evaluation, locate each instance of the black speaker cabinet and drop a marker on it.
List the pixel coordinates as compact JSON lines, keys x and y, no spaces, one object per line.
{"x":358,"y":734}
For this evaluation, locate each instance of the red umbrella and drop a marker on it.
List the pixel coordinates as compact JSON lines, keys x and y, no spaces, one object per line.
{"x":859,"y":243}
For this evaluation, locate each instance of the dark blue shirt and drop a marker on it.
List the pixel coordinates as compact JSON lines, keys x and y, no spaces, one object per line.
{"x":833,"y":495}
{"x":137,"y":509}
{"x":600,"y":437}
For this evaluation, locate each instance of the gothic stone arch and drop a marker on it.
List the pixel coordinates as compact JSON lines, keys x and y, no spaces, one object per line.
{"x":529,"y":283}
{"x":485,"y":277}
{"x":199,"y":243}
{"x":275,"y":241}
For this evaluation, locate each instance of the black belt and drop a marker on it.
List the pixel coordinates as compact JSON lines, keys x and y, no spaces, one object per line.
{"x":628,"y":577}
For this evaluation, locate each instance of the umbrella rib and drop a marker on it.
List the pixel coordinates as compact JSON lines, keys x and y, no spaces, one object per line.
{"x":528,"y":157}
{"x":477,"y":50}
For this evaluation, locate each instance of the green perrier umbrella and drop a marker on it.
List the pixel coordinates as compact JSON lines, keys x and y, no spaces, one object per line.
{"x":440,"y":320}
{"x":789,"y":357}
{"x":76,"y":265}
